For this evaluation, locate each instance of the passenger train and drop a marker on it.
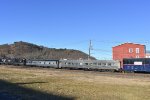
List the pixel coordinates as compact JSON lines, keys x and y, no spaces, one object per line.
{"x":102,"y":65}
{"x":129,"y":64}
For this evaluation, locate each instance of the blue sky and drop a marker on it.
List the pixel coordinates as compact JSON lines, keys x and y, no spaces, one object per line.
{"x":72,"y":23}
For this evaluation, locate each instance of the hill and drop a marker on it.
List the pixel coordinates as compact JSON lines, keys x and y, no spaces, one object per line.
{"x":32,"y":51}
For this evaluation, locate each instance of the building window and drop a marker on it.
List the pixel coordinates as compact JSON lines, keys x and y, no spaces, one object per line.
{"x":137,"y":56}
{"x":137,"y":50}
{"x":130,"y":50}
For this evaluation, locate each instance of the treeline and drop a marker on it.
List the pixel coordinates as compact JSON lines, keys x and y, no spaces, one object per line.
{"x":32,"y":51}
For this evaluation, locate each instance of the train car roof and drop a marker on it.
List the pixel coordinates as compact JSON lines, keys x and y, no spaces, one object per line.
{"x":134,"y":58}
{"x":44,"y":60}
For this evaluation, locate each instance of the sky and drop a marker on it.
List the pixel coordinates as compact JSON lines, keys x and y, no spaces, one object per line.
{"x":72,"y":24}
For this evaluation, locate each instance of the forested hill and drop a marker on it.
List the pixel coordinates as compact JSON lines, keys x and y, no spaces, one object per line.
{"x":32,"y":51}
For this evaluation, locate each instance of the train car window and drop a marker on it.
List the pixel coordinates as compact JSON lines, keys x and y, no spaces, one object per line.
{"x":86,"y":63}
{"x":131,"y":61}
{"x":126,"y":61}
{"x":94,"y":63}
{"x":143,"y":60}
{"x":69,"y":63}
{"x":147,"y":61}
{"x":104,"y":64}
{"x":90,"y":63}
{"x":109,"y":64}
{"x":99,"y":63}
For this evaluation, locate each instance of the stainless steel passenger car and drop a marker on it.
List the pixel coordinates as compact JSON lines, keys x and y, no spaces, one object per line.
{"x":103,"y":65}
{"x":43,"y":63}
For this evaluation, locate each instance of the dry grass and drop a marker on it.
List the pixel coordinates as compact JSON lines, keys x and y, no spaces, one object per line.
{"x":77,"y":84}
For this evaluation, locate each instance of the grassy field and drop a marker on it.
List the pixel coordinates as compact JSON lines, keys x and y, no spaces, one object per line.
{"x":60,"y":84}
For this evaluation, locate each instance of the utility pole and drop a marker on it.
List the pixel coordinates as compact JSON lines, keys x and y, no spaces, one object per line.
{"x":90,"y":48}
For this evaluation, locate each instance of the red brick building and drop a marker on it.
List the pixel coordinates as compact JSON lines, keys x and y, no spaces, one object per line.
{"x":128,"y":50}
